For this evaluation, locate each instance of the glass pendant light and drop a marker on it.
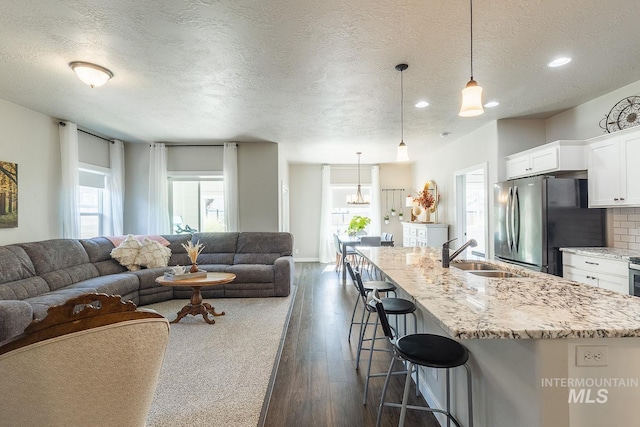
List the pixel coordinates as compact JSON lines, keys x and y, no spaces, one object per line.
{"x":402,"y":154}
{"x":358,"y":200}
{"x":472,"y":93}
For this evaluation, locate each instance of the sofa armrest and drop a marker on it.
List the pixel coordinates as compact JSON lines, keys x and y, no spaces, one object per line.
{"x":15,"y":316}
{"x":283,"y":276}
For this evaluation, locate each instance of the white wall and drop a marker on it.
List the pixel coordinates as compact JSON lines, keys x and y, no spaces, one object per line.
{"x":136,"y":188}
{"x":582,"y":122}
{"x":515,"y":135}
{"x":32,"y":141}
{"x":396,"y":175}
{"x":474,"y":149}
{"x":305,"y":190}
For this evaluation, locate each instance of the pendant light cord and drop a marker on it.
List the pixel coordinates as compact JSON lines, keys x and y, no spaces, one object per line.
{"x":402,"y":106}
{"x":471,"y":19}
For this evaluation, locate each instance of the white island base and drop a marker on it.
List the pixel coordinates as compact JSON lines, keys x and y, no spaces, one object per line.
{"x":528,"y":383}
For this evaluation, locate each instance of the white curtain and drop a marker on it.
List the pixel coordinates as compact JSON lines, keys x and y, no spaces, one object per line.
{"x":158,"y":215}
{"x":230,"y":174}
{"x":376,"y":205}
{"x":326,"y":250}
{"x":115,"y":186}
{"x":70,"y":180}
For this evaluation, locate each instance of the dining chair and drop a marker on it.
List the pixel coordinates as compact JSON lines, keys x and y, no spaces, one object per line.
{"x":371,"y":241}
{"x":351,"y":253}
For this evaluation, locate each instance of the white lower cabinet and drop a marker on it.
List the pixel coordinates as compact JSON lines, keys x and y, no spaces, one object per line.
{"x":595,"y":271}
{"x":421,"y":234}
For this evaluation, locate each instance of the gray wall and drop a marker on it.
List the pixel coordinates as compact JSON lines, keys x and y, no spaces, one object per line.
{"x":31,"y":140}
{"x":257,"y":183}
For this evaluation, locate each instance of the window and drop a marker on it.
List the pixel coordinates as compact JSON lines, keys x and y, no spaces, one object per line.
{"x":91,"y":202}
{"x":342,"y":212}
{"x":197,"y":204}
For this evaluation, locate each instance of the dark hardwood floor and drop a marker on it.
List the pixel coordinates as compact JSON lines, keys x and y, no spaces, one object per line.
{"x":316,"y":382}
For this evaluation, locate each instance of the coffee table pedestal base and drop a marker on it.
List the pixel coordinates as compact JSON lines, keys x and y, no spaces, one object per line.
{"x":196,"y":306}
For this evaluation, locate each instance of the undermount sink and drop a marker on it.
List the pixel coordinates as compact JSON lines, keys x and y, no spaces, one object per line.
{"x":498,"y":274}
{"x":473,"y":265}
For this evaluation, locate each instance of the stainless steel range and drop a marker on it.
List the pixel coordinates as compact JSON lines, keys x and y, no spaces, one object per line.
{"x":634,"y":276}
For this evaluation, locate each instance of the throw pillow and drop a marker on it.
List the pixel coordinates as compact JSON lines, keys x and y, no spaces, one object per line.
{"x":126,"y":253}
{"x":153,"y":254}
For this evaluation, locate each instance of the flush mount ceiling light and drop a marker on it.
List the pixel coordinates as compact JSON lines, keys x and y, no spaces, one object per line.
{"x":559,"y":62}
{"x":472,"y":93}
{"x":358,"y":199}
{"x":91,"y":74}
{"x":422,"y":104}
{"x":402,"y":154}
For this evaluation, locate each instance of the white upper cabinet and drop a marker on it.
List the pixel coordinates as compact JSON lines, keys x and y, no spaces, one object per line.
{"x":614,"y":175}
{"x":564,"y":155}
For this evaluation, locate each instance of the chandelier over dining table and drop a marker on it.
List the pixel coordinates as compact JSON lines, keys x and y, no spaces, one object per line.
{"x":357,"y":199}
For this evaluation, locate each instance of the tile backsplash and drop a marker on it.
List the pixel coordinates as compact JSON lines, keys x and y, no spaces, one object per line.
{"x":626,"y":228}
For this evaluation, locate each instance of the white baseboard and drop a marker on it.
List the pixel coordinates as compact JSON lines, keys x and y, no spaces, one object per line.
{"x":306,"y":259}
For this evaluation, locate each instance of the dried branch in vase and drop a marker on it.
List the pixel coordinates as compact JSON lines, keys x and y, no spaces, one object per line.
{"x":425,"y":199}
{"x":193,"y":250}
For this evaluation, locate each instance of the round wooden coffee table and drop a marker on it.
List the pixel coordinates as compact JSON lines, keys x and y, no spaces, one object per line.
{"x":196,"y":306}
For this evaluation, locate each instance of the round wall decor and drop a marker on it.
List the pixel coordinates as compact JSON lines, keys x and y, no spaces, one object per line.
{"x":623,"y":115}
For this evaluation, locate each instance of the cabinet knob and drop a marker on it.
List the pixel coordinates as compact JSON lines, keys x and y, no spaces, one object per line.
{"x":621,"y":198}
{"x":615,"y":199}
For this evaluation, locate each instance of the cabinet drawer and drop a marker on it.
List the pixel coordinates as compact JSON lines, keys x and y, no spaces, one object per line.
{"x":413,"y":232}
{"x":614,"y":283}
{"x":422,"y":233}
{"x":595,"y":264}
{"x":578,"y":275}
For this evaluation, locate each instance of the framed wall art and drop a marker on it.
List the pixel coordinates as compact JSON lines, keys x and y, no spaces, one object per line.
{"x":8,"y":195}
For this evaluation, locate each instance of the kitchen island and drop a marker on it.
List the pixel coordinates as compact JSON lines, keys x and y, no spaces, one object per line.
{"x":527,"y":337}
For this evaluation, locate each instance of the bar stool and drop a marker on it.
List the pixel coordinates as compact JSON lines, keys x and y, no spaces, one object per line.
{"x":429,"y":350}
{"x":369,"y":286}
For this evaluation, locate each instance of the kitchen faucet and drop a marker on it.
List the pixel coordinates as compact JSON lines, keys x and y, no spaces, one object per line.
{"x":446,"y":258}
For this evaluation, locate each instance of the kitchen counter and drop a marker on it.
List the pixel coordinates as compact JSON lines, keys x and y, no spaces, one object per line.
{"x":611,"y":253}
{"x":535,"y":306}
{"x":527,"y":337}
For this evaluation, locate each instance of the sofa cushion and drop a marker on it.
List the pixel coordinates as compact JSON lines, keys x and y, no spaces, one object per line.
{"x":114,"y":284}
{"x":178,"y":253}
{"x":60,"y":262}
{"x":41,"y":303}
{"x":219,"y":248}
{"x":15,"y":316}
{"x":152,"y":254}
{"x":262,"y":247}
{"x":25,"y":288}
{"x":127,"y":252}
{"x":99,"y":252}
{"x":147,"y":277}
{"x":216,"y":268}
{"x":15,"y":264}
{"x":249,"y":273}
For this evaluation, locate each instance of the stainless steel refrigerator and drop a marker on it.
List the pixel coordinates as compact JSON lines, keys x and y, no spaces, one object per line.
{"x":535,"y":217}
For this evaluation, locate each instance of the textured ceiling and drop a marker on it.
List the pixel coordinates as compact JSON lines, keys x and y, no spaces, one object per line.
{"x":316,"y":76}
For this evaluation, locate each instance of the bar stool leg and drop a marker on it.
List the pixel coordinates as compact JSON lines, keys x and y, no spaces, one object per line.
{"x":405,"y":396}
{"x":384,"y":391}
{"x":373,"y":343}
{"x":469,"y":394}
{"x":448,"y":376}
{"x":363,"y":330}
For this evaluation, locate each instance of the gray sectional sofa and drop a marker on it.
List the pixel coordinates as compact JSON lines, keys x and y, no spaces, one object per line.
{"x":37,"y":275}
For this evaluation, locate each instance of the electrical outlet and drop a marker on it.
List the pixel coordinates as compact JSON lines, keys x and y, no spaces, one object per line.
{"x":592,"y":355}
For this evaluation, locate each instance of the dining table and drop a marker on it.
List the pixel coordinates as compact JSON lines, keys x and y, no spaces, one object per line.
{"x":347,"y":241}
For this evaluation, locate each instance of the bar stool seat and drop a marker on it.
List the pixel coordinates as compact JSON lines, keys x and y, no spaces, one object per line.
{"x":433,"y":351}
{"x":394,"y":305}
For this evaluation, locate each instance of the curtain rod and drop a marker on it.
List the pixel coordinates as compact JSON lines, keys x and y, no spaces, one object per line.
{"x":194,"y":145}
{"x":89,"y":133}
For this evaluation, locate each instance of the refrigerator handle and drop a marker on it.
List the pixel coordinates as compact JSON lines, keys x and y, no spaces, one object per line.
{"x":508,"y":218}
{"x":516,"y":218}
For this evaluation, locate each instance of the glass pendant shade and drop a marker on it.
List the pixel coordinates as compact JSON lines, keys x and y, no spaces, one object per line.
{"x":402,"y":154}
{"x":358,"y":199}
{"x":471,"y":100}
{"x":91,"y":74}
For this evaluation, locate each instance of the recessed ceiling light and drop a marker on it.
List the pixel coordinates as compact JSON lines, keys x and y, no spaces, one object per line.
{"x":422,"y":104}
{"x":559,"y":62}
{"x":491,"y":104}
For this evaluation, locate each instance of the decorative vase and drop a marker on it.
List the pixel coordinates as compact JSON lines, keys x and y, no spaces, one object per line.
{"x":194,"y":268}
{"x":428,"y":215}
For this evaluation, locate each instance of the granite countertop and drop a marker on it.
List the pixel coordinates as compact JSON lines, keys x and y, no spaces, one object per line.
{"x":536,"y":305}
{"x":611,"y":253}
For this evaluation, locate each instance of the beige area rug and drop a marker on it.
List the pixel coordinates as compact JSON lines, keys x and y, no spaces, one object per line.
{"x":219,"y":374}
